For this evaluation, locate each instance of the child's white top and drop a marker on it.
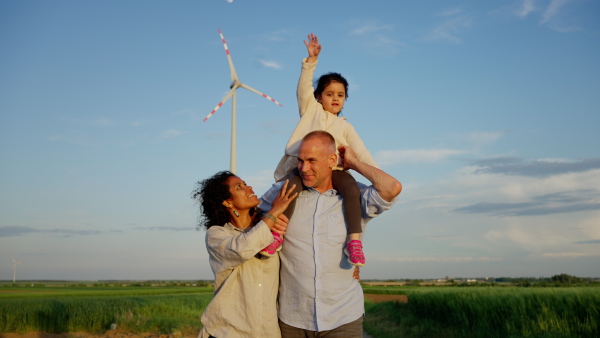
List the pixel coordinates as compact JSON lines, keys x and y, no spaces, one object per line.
{"x":314,"y":117}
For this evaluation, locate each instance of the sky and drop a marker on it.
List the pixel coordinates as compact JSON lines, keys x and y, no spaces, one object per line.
{"x":488,"y":112}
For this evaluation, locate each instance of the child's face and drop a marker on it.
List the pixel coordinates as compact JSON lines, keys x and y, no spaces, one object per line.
{"x":333,"y":97}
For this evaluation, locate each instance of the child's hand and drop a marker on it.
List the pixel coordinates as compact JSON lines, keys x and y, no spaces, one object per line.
{"x":313,"y":47}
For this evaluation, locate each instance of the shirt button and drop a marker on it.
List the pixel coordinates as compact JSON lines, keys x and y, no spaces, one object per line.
{"x":259,"y":284}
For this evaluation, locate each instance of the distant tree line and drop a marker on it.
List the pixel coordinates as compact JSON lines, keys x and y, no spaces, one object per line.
{"x":555,"y":281}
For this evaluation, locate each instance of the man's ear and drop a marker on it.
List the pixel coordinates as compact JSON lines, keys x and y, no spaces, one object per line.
{"x":332,"y":160}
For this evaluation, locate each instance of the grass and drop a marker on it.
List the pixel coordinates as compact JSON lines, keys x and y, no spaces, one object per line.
{"x":40,"y":292}
{"x":488,"y":312}
{"x":430,"y":312}
{"x":160,"y":310}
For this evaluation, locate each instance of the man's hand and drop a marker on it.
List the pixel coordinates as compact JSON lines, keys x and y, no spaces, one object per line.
{"x":387,"y":186}
{"x":356,"y":274}
{"x":348,"y":157}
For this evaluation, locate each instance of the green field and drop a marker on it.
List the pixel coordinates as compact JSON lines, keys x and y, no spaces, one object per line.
{"x":93,"y":309}
{"x":486,"y":312}
{"x":430,"y":312}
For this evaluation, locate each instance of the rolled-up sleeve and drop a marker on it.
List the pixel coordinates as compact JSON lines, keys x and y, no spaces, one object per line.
{"x":232,"y":251}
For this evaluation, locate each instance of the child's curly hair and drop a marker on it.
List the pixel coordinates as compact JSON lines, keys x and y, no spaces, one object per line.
{"x":326,"y":79}
{"x":210,"y":194}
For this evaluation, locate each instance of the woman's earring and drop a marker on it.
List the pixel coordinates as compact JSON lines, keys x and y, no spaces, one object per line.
{"x":236,"y":213}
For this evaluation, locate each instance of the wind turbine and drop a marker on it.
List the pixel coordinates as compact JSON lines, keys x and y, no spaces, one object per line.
{"x":15,"y":270}
{"x":235,"y":84}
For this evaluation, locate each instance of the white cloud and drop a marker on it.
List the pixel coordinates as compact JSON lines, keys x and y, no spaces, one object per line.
{"x":443,"y":259}
{"x":449,"y":30}
{"x":451,"y":12}
{"x":551,"y":17}
{"x":377,"y":38}
{"x":480,"y":139}
{"x":270,"y":64}
{"x":527,"y":6}
{"x":568,"y":254}
{"x":544,"y":217}
{"x":371,"y":28}
{"x":101,"y":122}
{"x":553,"y":10}
{"x":386,"y":157}
{"x":278,"y":36}
{"x":171,"y":133}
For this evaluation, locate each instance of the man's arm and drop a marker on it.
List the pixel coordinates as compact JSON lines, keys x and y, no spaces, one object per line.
{"x":387,"y":186}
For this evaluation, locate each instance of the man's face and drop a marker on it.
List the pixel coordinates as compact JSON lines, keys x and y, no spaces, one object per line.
{"x":315,"y":161}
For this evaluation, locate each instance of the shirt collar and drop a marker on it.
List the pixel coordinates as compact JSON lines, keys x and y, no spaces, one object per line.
{"x":330,"y":192}
{"x":230,"y":226}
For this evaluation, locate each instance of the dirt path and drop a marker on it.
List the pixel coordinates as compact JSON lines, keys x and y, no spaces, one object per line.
{"x":387,"y":298}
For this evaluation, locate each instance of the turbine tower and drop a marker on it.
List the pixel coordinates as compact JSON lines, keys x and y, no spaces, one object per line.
{"x":15,"y":270}
{"x":235,"y":84}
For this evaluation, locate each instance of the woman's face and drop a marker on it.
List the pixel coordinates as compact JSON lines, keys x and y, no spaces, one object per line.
{"x":242,"y":195}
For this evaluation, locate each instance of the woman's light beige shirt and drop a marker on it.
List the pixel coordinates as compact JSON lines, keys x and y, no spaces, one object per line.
{"x":244,"y":304}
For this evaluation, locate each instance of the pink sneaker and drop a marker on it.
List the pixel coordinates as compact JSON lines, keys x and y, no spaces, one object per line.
{"x":275,"y":246}
{"x":353,"y":250}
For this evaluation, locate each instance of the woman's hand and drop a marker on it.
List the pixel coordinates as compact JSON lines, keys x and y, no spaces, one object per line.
{"x":283,"y":199}
{"x":356,"y":273}
{"x":313,"y":47}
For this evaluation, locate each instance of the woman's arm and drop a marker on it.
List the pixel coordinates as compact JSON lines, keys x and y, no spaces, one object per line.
{"x":231,"y":248}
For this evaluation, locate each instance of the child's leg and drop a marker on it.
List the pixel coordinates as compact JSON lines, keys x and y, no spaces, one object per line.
{"x":346,"y":185}
{"x":294,"y":178}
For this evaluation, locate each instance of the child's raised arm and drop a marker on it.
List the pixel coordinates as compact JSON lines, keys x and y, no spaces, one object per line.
{"x":313,"y":47}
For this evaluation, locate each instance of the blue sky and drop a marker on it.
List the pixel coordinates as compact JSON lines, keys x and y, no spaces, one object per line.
{"x":486,"y":111}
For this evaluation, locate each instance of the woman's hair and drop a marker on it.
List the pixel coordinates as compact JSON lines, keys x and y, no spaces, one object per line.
{"x":210,"y":194}
{"x":328,"y":78}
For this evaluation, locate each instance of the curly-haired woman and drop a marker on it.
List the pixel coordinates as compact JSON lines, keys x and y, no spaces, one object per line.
{"x":246,"y":279}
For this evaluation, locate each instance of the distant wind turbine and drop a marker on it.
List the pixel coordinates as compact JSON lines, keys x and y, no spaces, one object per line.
{"x":15,"y":270}
{"x":234,"y":86}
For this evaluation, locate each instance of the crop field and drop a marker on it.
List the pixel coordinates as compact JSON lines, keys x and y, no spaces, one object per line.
{"x":79,"y":309}
{"x":486,"y":312}
{"x":429,"y":312}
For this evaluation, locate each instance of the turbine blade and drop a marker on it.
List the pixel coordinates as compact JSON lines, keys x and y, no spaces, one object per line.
{"x":261,"y":94}
{"x":220,"y":104}
{"x":231,"y":68}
